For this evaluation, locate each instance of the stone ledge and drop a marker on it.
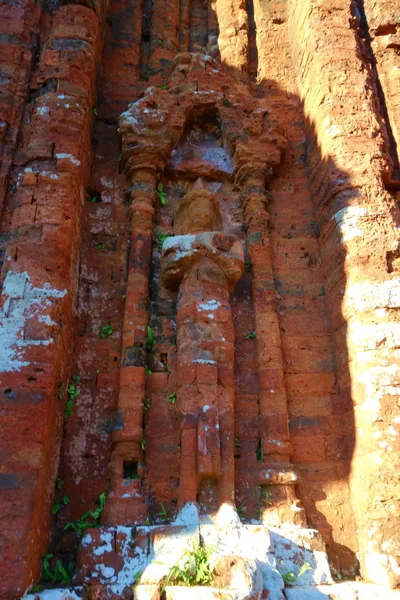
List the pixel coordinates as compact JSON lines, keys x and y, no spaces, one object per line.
{"x":348,"y":590}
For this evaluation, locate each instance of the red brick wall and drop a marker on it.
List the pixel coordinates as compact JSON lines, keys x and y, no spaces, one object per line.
{"x":41,"y":221}
{"x":320,"y":290}
{"x":357,"y":221}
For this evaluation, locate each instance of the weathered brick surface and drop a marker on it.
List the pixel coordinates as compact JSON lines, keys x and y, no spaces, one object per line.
{"x":381,"y":21}
{"x":292,"y":132}
{"x":19,"y":29}
{"x":39,"y":287}
{"x":347,"y":160}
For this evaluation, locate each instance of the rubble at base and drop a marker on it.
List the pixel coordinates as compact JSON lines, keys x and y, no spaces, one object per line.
{"x":255,"y":563}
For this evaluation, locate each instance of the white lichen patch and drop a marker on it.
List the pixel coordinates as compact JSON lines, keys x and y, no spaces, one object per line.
{"x":105,"y":572}
{"x":86,"y":540}
{"x":42,"y":110}
{"x":47,"y":320}
{"x":70,"y":157}
{"x":188,"y":515}
{"x":132,"y":564}
{"x":107,"y":183}
{"x":181,"y":244}
{"x":204,"y":361}
{"x":22,"y":301}
{"x":105,"y":537}
{"x":210,"y":305}
{"x":129,"y":118}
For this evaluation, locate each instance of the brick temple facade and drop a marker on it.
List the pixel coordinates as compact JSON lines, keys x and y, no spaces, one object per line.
{"x":200,"y":293}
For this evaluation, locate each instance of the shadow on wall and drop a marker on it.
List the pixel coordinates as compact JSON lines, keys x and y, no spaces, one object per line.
{"x":310,"y":201}
{"x":308,"y":263}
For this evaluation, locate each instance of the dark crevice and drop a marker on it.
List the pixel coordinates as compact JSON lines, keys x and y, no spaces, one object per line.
{"x":145,"y":46}
{"x":392,"y":179}
{"x":198,"y":26}
{"x":50,"y":85}
{"x":253,"y":51}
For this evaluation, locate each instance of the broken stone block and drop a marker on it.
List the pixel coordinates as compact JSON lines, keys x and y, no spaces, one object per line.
{"x":349,"y":590}
{"x":300,"y":556}
{"x":146,"y":592}
{"x":236,"y":573}
{"x":57,"y":594}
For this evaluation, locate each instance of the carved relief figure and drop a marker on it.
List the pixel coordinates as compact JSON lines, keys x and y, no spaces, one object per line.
{"x":202,"y":142}
{"x":204,"y":265}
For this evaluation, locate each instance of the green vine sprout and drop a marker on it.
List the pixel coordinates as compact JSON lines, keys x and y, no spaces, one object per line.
{"x":162,"y":196}
{"x":193,"y":568}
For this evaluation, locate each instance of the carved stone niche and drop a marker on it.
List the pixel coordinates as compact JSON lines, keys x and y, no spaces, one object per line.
{"x":202,"y":262}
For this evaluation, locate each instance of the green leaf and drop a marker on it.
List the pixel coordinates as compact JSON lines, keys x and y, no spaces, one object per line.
{"x":91,"y":518}
{"x":61,"y":574}
{"x":172,"y":397}
{"x":95,"y":112}
{"x":69,"y":406}
{"x":250,"y":336}
{"x":289,"y":577}
{"x":162,"y":196}
{"x":137,"y":576}
{"x":102,"y":501}
{"x":106,"y":331}
{"x":73,"y":391}
{"x":47,"y":574}
{"x":304,"y":567}
{"x":192,"y":568}
{"x":150,"y":339}
{"x":56,"y":508}
{"x":161,"y":237}
{"x":163,"y":514}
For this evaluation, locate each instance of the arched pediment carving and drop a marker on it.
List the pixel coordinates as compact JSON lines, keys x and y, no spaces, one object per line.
{"x":153,"y":125}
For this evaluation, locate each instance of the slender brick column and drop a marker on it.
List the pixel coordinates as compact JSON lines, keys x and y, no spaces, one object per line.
{"x":209,"y":264}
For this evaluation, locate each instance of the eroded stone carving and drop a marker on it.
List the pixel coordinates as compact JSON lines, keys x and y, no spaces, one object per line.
{"x":205,"y":265}
{"x":203,"y":262}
